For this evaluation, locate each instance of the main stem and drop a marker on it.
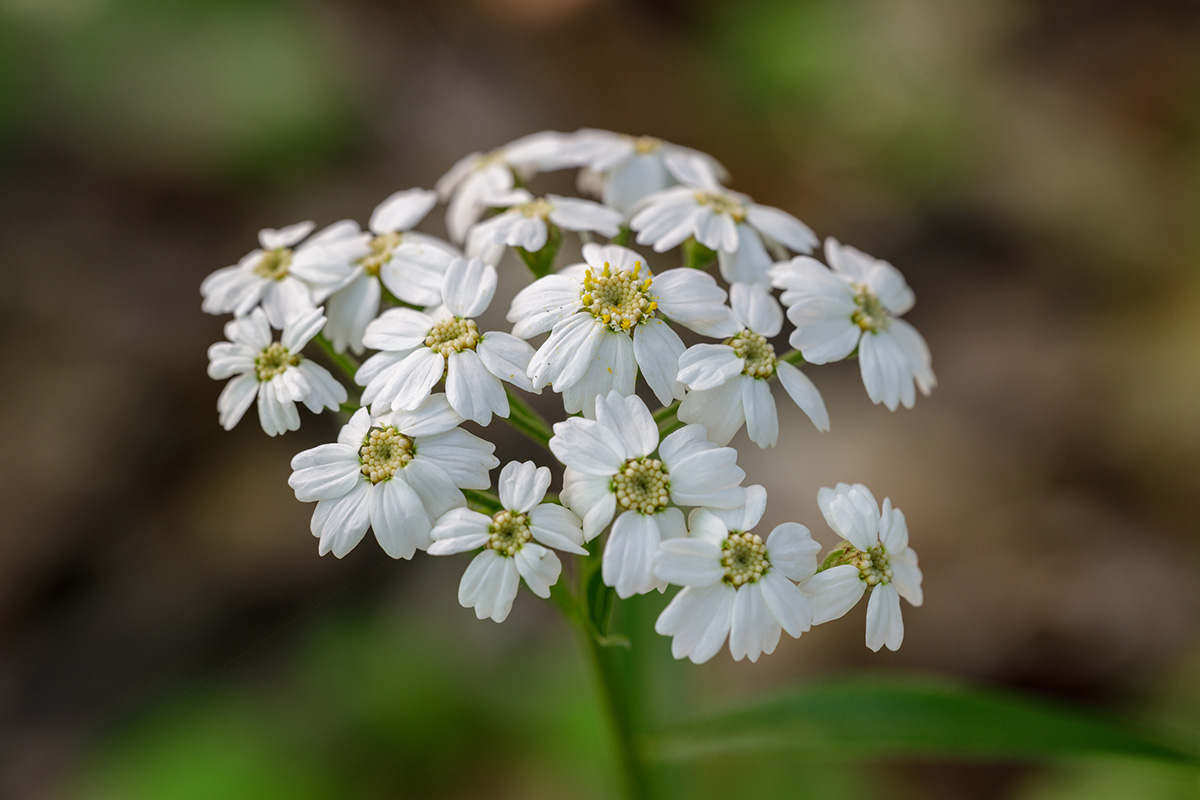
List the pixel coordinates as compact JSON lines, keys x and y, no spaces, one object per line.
{"x":607,"y":664}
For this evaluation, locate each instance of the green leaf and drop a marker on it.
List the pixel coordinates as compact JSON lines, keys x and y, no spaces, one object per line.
{"x":859,"y":718}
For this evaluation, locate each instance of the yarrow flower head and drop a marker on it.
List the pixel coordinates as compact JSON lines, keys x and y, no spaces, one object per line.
{"x":281,"y":277}
{"x":394,"y":473}
{"x":604,"y":322}
{"x":515,"y":542}
{"x":526,"y":223}
{"x":615,"y":465}
{"x":729,"y":383}
{"x":274,"y":371}
{"x":857,"y":304}
{"x":874,"y":558}
{"x":736,"y":585}
{"x":727,"y":222}
{"x":419,"y":349}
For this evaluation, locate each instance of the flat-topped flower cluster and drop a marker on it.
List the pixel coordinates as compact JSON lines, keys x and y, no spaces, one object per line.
{"x":664,"y":485}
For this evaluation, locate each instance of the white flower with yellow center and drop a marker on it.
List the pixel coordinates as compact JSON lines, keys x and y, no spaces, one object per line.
{"x":727,"y":222}
{"x":395,"y":474}
{"x":612,"y":470}
{"x":418,"y":350}
{"x":273,"y":371}
{"x":475,"y":180}
{"x":604,"y":324}
{"x":408,"y":264}
{"x":735,"y":584}
{"x":623,"y":169}
{"x":857,"y":304}
{"x":875,"y":559}
{"x":515,"y":542}
{"x":283,"y":276}
{"x":527,"y":219}
{"x":729,"y":383}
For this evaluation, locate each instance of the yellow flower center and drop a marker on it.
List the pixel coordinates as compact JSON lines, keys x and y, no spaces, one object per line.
{"x":642,"y":486}
{"x":383,"y":453}
{"x":757,"y":353}
{"x":618,"y":299}
{"x":453,"y":335}
{"x":539,"y":208}
{"x":381,"y":252}
{"x":644,"y":145}
{"x":274,"y":360}
{"x":508,"y":533}
{"x":722,"y":204}
{"x":744,"y":557}
{"x":869,"y":313}
{"x":273,"y":264}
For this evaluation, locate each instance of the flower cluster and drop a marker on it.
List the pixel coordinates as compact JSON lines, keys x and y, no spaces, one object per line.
{"x":648,"y":498}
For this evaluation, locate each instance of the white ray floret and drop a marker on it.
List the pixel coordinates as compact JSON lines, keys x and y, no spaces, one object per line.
{"x":735,"y":584}
{"x":527,"y":219}
{"x":724,"y":221}
{"x":729,"y":383}
{"x":394,"y":473}
{"x":616,"y":466}
{"x":604,"y":324}
{"x":407,"y":263}
{"x":857,"y":304}
{"x":515,"y":542}
{"x":273,"y":371}
{"x":419,"y":349}
{"x":875,"y":559}
{"x":284,"y":277}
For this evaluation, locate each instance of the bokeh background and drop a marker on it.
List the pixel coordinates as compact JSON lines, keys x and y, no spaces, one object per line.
{"x":166,"y":627}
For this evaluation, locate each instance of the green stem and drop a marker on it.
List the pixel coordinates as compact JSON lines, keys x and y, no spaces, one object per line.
{"x":792,"y":357}
{"x":484,"y":501}
{"x":525,"y":419}
{"x":610,"y":668}
{"x":343,"y":360}
{"x":666,"y":413}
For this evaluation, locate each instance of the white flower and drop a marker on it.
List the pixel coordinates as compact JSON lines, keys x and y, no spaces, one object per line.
{"x":610,"y":465}
{"x":476,"y":179}
{"x":526,"y":222}
{"x":724,"y":221}
{"x":410,"y":265}
{"x":603,"y":318}
{"x":512,"y":542}
{"x":274,"y":371}
{"x":857,"y":304}
{"x":729,"y":382}
{"x":623,"y":169}
{"x":418,"y":349}
{"x":283,"y":279}
{"x":874,"y":558}
{"x":394,"y":473}
{"x":735,"y":585}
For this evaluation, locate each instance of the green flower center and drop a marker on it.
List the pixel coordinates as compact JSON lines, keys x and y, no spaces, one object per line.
{"x":536,"y":209}
{"x":273,"y":264}
{"x":869,"y":313}
{"x":274,"y":360}
{"x":381,"y":252}
{"x":642,"y":486}
{"x":453,"y":335}
{"x":383,"y":453}
{"x":618,"y":299}
{"x":744,"y":557}
{"x":508,"y":533}
{"x":722,"y":204}
{"x":757,"y":353}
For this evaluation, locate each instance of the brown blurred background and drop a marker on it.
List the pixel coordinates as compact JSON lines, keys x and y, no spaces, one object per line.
{"x":166,"y":627}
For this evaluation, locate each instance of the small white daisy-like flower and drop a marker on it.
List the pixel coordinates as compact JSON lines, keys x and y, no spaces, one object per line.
{"x":473,"y":182}
{"x":394,"y":474}
{"x":735,"y":584}
{"x":515,"y":542}
{"x":623,"y":169}
{"x":418,"y":350}
{"x":273,"y":371}
{"x":729,"y":382}
{"x":857,"y":304}
{"x":285,"y":279}
{"x":725,"y":221}
{"x":408,"y":264}
{"x":603,"y":319}
{"x":527,"y":220}
{"x":611,"y":468}
{"x":875,"y":558}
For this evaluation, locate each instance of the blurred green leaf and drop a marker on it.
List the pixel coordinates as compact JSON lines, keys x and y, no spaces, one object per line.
{"x":873,"y":717}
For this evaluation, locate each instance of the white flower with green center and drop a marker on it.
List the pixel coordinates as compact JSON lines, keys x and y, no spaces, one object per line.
{"x":857,"y":304}
{"x":727,"y":222}
{"x":729,"y":383}
{"x":477,"y":179}
{"x":735,"y":584}
{"x":623,"y":169}
{"x":395,"y":474}
{"x":418,"y":350}
{"x":612,"y":469}
{"x":874,"y":559}
{"x":275,"y":372}
{"x":284,"y":277}
{"x":527,"y":220}
{"x":515,"y":542}
{"x":408,"y":264}
{"x":604,"y":322}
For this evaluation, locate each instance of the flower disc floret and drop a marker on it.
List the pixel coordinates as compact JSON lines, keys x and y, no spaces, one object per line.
{"x":382,"y":247}
{"x":384,"y":452}
{"x":620,"y":300}
{"x":273,"y":264}
{"x":757,"y":353}
{"x":873,"y":565}
{"x":744,"y":557}
{"x":538,"y":208}
{"x":509,"y":532}
{"x":644,"y":145}
{"x":642,"y":486}
{"x":869,"y":314}
{"x":453,"y":335}
{"x":274,"y":360}
{"x":722,"y":204}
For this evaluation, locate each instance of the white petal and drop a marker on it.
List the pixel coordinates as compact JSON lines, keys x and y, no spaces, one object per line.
{"x":698,"y":620}
{"x":557,"y":527}
{"x":786,"y":603}
{"x":433,"y":485}
{"x":489,"y":585}
{"x":628,"y":561}
{"x":754,"y":629}
{"x":408,"y":384}
{"x":750,"y":263}
{"x":434,"y":415}
{"x":402,"y":211}
{"x":544,"y":303}
{"x":398,"y":329}
{"x":235,"y":398}
{"x":522,"y":485}
{"x":325,"y":472}
{"x":588,"y":446}
{"x":468,"y":288}
{"x":782,"y":227}
{"x":833,"y":592}
{"x":906,"y":576}
{"x":804,"y":394}
{"x":566,"y":355}
{"x":689,"y":562}
{"x":630,"y":420}
{"x":458,"y":531}
{"x":350,"y":310}
{"x":657,"y":349}
{"x":464,"y":457}
{"x":474,"y":392}
{"x":539,"y":567}
{"x":703,"y":474}
{"x":506,"y":357}
{"x":707,"y":366}
{"x":885,"y":625}
{"x":792,"y":551}
{"x":756,"y":308}
{"x":272,"y":239}
{"x":718,"y":410}
{"x":399,"y":519}
{"x":583,"y":215}
{"x":762,"y":420}
{"x":693,"y":299}
{"x":341,"y":524}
